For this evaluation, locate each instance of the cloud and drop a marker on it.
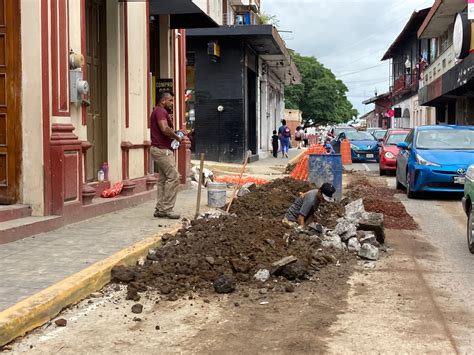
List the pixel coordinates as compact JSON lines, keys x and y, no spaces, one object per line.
{"x":347,"y":36}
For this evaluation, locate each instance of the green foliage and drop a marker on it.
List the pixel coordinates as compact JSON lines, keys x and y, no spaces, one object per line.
{"x":267,"y":19}
{"x":321,"y":96}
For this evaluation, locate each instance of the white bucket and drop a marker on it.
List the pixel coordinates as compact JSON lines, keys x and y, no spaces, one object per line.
{"x":216,"y":194}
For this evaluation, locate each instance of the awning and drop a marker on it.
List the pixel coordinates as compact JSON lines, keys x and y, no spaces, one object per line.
{"x":183,"y":13}
{"x":265,"y":41}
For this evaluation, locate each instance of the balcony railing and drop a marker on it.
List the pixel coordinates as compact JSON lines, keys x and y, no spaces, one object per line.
{"x":405,"y":83}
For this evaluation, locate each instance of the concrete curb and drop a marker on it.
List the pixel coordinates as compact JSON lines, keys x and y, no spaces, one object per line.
{"x":40,"y":308}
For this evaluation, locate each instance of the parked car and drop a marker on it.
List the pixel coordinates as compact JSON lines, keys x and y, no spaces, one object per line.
{"x":337,"y":130}
{"x":364,"y":146}
{"x":389,"y":150}
{"x":373,"y":129}
{"x":435,"y":158}
{"x":379,"y":133}
{"x":467,"y":201}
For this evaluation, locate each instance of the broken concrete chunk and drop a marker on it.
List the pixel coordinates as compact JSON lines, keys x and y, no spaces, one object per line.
{"x":285,"y":261}
{"x":351,"y":232}
{"x":369,"y":252}
{"x":353,"y":244}
{"x":262,"y":275}
{"x":373,"y":222}
{"x":224,"y":284}
{"x":369,"y":237}
{"x":332,"y":241}
{"x":315,"y":227}
{"x":210,"y":260}
{"x":355,"y":209}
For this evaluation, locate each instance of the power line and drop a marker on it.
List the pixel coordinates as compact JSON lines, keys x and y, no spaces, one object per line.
{"x":359,"y":71}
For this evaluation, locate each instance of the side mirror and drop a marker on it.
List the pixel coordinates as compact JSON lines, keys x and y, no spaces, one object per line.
{"x":402,"y":145}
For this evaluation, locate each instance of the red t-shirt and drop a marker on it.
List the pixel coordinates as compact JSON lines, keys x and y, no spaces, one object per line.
{"x":158,"y":138}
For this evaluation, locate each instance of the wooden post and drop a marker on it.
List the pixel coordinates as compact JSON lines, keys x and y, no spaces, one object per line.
{"x":247,"y":155}
{"x":198,"y":203}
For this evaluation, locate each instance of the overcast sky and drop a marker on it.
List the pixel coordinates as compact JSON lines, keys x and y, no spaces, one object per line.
{"x":347,"y":36}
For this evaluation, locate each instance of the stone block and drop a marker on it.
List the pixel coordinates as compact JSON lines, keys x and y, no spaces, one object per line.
{"x":373,"y":222}
{"x":369,"y":252}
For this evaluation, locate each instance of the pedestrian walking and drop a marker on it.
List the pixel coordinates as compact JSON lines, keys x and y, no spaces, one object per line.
{"x":162,"y":134}
{"x":284,"y":133}
{"x":299,"y":136}
{"x":275,"y":144}
{"x":305,"y":138}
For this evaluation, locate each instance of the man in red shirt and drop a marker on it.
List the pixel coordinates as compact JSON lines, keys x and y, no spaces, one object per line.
{"x":162,"y":134}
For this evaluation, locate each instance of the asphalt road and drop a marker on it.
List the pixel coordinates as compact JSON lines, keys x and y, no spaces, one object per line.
{"x":370,"y":166}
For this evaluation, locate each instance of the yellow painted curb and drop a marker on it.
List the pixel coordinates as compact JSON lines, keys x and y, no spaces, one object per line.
{"x":45,"y":305}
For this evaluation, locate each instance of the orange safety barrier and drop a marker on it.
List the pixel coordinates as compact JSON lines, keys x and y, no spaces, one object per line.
{"x":346,"y":155}
{"x":234,"y":179}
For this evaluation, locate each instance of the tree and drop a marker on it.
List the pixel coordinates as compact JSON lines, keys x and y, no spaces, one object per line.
{"x":320,"y":96}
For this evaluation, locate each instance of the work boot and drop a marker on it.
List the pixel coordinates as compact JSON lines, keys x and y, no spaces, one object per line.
{"x":169,"y":215}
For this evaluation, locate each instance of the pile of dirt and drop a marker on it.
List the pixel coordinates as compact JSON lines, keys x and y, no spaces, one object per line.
{"x":327,"y":214}
{"x":270,"y":200}
{"x":237,"y":250}
{"x":234,"y":246}
{"x":380,"y":199}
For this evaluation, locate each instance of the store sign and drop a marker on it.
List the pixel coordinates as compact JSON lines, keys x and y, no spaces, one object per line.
{"x":470,"y":9}
{"x":462,"y":36}
{"x":164,"y":85}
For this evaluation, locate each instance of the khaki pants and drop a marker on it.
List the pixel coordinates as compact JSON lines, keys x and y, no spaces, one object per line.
{"x":167,"y":187}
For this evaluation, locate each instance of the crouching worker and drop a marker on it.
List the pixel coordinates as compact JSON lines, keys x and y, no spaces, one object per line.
{"x":305,"y":205}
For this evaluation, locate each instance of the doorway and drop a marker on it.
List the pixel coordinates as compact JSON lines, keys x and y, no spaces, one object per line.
{"x":252,"y":110}
{"x":10,"y":101}
{"x":96,"y":40}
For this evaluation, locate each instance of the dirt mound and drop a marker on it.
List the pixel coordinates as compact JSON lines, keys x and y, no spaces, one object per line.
{"x":327,"y":214}
{"x":270,"y":200}
{"x":235,"y":246}
{"x":380,"y":199}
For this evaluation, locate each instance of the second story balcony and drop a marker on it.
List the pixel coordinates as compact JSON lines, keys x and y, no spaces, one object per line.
{"x":405,"y":83}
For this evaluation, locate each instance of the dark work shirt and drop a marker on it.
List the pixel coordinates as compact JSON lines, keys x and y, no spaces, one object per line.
{"x":304,"y":206}
{"x":158,"y":138}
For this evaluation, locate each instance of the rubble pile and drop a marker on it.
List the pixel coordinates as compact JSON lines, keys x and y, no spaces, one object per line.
{"x":251,"y":247}
{"x":380,"y":199}
{"x":356,"y":231}
{"x":226,"y":251}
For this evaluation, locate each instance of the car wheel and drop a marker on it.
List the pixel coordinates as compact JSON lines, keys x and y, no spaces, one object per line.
{"x":470,"y":231}
{"x":381,"y":171}
{"x":410,"y":193}
{"x":398,"y":183}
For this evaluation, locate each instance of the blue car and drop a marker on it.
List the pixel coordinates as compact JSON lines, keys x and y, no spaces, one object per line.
{"x":364,"y":146}
{"x":435,"y":158}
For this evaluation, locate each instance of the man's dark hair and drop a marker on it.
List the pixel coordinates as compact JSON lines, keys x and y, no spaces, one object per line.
{"x":274,"y":131}
{"x":283,"y":122}
{"x":161,"y":95}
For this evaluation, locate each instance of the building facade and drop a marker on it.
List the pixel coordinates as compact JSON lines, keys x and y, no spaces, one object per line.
{"x":449,"y":79}
{"x":236,"y":78}
{"x":78,"y":85}
{"x":408,"y":57}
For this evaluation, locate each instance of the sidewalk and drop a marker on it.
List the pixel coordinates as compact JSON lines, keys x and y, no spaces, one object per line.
{"x":30,"y":265}
{"x":35,"y":263}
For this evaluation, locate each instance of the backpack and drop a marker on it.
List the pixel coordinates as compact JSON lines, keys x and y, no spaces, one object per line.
{"x":286,"y":132}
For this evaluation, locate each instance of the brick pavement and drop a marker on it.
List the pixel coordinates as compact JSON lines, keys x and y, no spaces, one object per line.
{"x":32,"y":264}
